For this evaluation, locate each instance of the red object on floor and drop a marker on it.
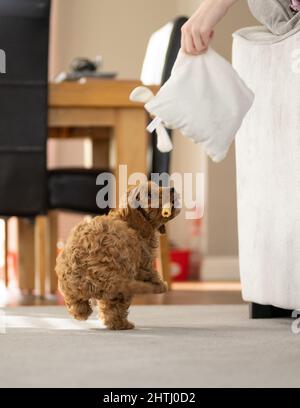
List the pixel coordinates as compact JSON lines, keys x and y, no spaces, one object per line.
{"x":179,"y":264}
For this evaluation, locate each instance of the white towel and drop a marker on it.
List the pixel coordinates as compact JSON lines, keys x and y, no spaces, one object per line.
{"x":205,"y":99}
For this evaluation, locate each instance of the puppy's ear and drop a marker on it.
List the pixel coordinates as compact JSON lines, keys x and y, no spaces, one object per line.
{"x":162,"y":229}
{"x":134,"y":196}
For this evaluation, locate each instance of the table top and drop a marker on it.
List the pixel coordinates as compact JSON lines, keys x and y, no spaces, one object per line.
{"x":93,"y":93}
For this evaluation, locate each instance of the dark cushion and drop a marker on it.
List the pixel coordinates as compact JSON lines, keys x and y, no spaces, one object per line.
{"x":161,"y":161}
{"x":75,"y":190}
{"x":22,"y":182}
{"x":24,"y":33}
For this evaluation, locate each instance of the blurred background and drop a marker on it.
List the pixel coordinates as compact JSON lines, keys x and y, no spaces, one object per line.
{"x":204,"y":250}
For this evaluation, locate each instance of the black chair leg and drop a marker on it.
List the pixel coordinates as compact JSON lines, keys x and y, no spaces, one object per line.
{"x":258,"y":311}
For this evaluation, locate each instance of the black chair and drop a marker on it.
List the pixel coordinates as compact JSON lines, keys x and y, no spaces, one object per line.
{"x":27,"y":189}
{"x":75,"y":190}
{"x":161,"y":161}
{"x":24,"y":32}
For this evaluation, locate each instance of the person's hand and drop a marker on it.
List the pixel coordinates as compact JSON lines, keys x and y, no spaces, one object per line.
{"x":198,"y":31}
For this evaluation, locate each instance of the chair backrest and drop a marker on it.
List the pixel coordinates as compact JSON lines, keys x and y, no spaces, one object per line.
{"x":24,"y":33}
{"x":161,"y":54}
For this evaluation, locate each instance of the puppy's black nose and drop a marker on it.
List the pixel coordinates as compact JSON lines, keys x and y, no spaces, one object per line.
{"x":172,"y":189}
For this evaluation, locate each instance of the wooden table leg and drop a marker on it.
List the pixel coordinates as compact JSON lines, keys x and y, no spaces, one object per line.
{"x":100,"y":157}
{"x":6,"y":277}
{"x":131,"y":142}
{"x":26,"y":267}
{"x":40,"y":253}
{"x":164,"y":259}
{"x":52,"y":247}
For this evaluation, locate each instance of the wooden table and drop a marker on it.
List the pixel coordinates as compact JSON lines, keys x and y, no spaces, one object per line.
{"x":101,"y":110}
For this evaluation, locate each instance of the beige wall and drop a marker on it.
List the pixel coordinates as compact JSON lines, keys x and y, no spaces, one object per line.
{"x":187,"y":7}
{"x":116,"y":29}
{"x":119,"y":30}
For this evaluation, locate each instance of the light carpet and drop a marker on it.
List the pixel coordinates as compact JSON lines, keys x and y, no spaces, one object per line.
{"x":173,"y":346}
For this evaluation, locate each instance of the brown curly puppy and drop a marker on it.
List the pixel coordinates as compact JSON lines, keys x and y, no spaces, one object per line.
{"x":111,"y":258}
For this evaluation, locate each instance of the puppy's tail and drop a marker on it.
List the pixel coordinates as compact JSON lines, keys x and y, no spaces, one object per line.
{"x":136,"y":287}
{"x":80,"y":310}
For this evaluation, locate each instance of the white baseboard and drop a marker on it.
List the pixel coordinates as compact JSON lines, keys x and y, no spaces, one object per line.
{"x":220,"y":268}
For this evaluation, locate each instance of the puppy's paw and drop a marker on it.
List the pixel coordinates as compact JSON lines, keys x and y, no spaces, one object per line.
{"x":80,"y":310}
{"x":126,"y":325}
{"x":161,"y":287}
